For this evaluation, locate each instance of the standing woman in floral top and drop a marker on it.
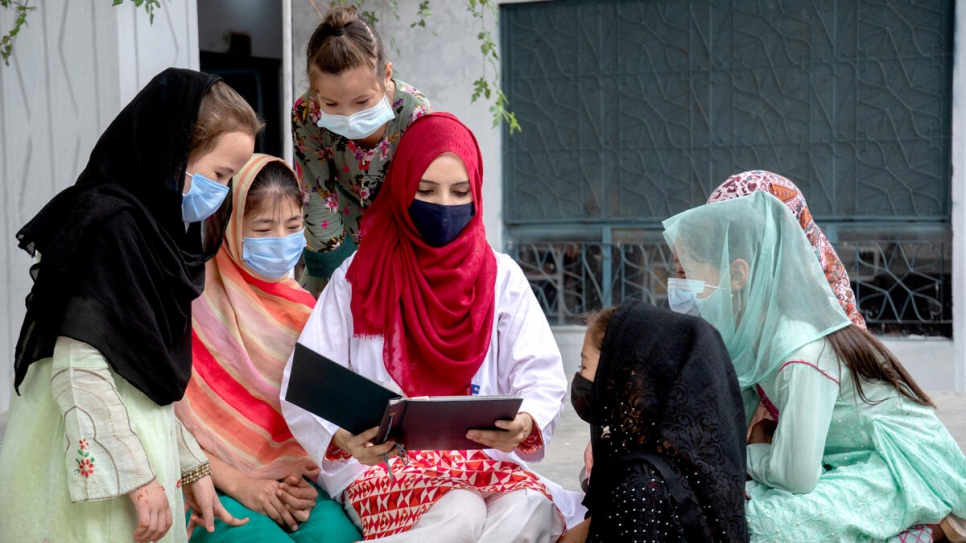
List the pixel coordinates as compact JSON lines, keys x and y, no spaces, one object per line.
{"x":345,"y":129}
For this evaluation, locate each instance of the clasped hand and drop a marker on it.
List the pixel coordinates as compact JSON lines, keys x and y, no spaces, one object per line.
{"x":288,"y":502}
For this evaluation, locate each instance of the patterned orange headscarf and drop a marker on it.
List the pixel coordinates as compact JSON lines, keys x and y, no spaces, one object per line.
{"x":243,"y":330}
{"x":746,"y":183}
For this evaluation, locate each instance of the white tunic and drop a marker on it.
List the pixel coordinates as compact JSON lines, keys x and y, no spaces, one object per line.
{"x":523,"y":360}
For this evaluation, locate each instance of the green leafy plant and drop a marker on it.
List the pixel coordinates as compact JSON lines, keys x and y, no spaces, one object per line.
{"x":149,"y":6}
{"x":6,"y":42}
{"x":423,"y":12}
{"x":490,"y":86}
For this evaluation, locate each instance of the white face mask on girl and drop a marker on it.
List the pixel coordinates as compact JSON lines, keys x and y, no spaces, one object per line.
{"x":273,"y":257}
{"x":682,"y":294}
{"x":361,"y":124}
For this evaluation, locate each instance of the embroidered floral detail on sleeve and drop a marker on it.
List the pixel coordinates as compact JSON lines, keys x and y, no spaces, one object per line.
{"x":85,"y":463}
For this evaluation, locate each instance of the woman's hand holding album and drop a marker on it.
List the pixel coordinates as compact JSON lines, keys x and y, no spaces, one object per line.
{"x":361,"y":449}
{"x":512,"y":433}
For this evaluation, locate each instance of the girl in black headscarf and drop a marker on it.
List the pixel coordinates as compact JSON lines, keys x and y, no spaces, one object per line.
{"x":667,"y":430}
{"x":105,"y":346}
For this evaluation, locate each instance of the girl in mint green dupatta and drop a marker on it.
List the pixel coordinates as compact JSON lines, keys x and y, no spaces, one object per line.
{"x":858,"y":453}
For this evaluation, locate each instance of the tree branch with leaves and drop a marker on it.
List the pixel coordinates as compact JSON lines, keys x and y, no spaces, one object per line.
{"x":149,"y":6}
{"x":6,"y":42}
{"x":486,"y":86}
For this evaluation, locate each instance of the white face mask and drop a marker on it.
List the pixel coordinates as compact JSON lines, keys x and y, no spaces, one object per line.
{"x":682,"y":294}
{"x":203,"y":198}
{"x":361,"y":124}
{"x":273,"y":257}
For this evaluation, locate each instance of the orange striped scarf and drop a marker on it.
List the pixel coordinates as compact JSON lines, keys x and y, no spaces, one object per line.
{"x":243,"y":331}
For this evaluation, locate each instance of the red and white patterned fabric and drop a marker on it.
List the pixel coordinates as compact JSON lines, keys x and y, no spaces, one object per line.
{"x":390,"y":506}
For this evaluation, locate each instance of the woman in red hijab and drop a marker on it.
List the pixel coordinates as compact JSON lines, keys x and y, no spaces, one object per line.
{"x":427,"y":307}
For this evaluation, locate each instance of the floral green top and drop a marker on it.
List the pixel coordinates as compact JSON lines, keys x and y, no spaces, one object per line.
{"x":340,"y":179}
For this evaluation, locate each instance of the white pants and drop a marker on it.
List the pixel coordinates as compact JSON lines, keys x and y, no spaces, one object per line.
{"x":521,"y":516}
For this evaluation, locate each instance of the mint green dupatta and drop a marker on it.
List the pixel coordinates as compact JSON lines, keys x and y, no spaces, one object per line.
{"x":781,"y":304}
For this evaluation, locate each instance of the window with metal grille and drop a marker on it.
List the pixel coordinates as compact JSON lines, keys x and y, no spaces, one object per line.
{"x":634,"y":110}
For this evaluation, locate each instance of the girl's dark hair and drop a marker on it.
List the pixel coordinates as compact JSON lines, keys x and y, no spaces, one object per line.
{"x":867,"y":357}
{"x":344,"y":41}
{"x":222,"y":111}
{"x":597,"y":323}
{"x":275,"y":181}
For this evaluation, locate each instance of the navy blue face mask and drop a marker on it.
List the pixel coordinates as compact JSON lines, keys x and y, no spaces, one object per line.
{"x":439,"y":224}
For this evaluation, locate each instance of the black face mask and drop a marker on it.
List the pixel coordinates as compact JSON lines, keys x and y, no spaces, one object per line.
{"x":439,"y":224}
{"x":581,"y":390}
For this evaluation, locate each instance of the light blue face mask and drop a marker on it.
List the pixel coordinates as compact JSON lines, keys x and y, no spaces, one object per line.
{"x":203,"y":198}
{"x":361,"y":124}
{"x":682,"y":294}
{"x":273,"y":257}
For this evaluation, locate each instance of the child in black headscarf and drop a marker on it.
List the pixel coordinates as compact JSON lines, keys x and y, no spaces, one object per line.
{"x":93,"y":451}
{"x":667,"y":430}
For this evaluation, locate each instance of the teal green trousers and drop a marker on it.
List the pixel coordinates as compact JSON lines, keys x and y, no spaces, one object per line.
{"x":328,"y":523}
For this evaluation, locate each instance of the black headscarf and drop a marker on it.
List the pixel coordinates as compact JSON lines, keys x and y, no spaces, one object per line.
{"x":117,"y":269}
{"x":665,"y":385}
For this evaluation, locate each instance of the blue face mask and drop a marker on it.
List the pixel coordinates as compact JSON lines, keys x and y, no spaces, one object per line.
{"x":203,"y":198}
{"x":439,"y":224}
{"x":361,"y":124}
{"x":682,"y":295}
{"x":273,"y":257}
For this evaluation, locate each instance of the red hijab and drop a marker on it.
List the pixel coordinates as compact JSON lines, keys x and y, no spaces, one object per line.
{"x":433,"y":305}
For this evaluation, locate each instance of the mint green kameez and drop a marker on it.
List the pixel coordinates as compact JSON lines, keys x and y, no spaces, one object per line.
{"x":860,"y":472}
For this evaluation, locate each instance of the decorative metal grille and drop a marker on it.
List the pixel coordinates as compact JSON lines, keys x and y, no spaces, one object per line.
{"x":902,"y":286}
{"x":634,"y":110}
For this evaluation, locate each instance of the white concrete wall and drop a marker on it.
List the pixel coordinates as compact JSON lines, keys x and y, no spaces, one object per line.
{"x":72,"y":70}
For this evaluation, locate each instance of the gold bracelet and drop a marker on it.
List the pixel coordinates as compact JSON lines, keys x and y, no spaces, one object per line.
{"x":189,"y":477}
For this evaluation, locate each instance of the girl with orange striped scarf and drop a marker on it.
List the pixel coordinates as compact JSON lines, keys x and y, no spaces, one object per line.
{"x":244,"y":327}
